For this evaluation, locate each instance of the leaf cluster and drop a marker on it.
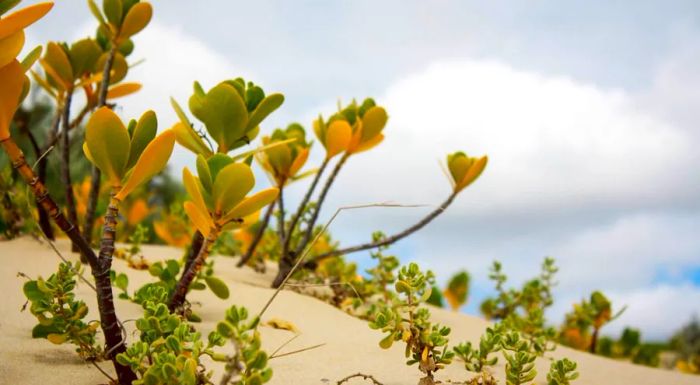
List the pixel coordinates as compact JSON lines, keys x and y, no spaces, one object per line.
{"x":248,"y":364}
{"x":61,"y":316}
{"x":404,"y":320}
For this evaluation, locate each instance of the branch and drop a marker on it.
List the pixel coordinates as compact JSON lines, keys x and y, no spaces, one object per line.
{"x":197,"y":240}
{"x":394,"y":238}
{"x":96,"y":175}
{"x":258,"y":236}
{"x":317,"y":210}
{"x":100,"y":271}
{"x":65,"y":161}
{"x":364,"y":377}
{"x":280,"y":215}
{"x":183,"y":285}
{"x":302,"y":205}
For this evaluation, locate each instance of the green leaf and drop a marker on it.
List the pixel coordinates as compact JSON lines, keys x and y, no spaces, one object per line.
{"x":387,"y":341}
{"x":31,"y":58}
{"x":122,"y":281}
{"x":113,"y":10}
{"x":225,"y":115}
{"x":6,"y":5}
{"x":42,"y":331}
{"x":83,"y":56}
{"x":231,"y":185}
{"x":264,"y":109}
{"x":32,"y":292}
{"x":108,"y":143}
{"x":373,"y":122}
{"x":204,"y":174}
{"x":217,"y":286}
{"x":143,"y":133}
{"x":57,"y":58}
{"x":96,"y":12}
{"x":217,"y":162}
{"x":136,"y":20}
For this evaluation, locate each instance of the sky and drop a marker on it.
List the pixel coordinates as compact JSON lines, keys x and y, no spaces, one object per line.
{"x":588,"y":111}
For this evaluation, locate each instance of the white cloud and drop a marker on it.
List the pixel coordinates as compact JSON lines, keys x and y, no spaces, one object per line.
{"x":553,"y":143}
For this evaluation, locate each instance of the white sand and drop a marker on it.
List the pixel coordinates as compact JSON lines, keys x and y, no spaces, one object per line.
{"x":350,"y":345}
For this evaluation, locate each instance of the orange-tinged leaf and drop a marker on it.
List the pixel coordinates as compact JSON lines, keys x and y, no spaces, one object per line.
{"x":201,"y":221}
{"x":12,"y":80}
{"x":280,"y":158}
{"x":190,"y":140}
{"x":57,"y":59}
{"x":338,"y":135}
{"x":474,"y":171}
{"x":458,"y":164}
{"x":10,"y":47}
{"x":22,"y":18}
{"x":373,"y":122}
{"x":299,"y":162}
{"x":251,"y":204}
{"x":137,"y":19}
{"x":364,"y":146}
{"x":152,"y":161}
{"x":192,"y":187}
{"x":123,"y":89}
{"x":231,"y":185}
{"x":109,"y":143}
{"x":43,"y":84}
{"x":137,"y":212}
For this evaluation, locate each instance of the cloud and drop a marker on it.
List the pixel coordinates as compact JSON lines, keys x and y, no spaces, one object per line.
{"x":576,"y":171}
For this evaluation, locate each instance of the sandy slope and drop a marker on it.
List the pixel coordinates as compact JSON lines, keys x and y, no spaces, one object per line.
{"x":350,"y":346}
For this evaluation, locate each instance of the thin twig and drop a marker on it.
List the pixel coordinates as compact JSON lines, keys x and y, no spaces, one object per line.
{"x":284,"y":344}
{"x":303,"y":285}
{"x":297,"y":351}
{"x":55,"y":249}
{"x":42,"y":157}
{"x":316,"y":238}
{"x":364,"y":377}
{"x":112,"y":379}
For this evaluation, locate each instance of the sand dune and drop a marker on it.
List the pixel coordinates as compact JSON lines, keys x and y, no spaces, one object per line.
{"x":350,"y":346}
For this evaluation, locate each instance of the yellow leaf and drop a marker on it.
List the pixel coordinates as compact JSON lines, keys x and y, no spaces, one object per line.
{"x":364,"y":146}
{"x":137,"y":19}
{"x":424,"y":355}
{"x":299,"y":162}
{"x":338,"y":137}
{"x":57,"y":59}
{"x":231,"y":185}
{"x":123,"y":89}
{"x":474,"y":171}
{"x":22,"y":18}
{"x":57,"y":338}
{"x":373,"y":122}
{"x":251,"y":205}
{"x":43,"y":84}
{"x":458,"y":164}
{"x":281,"y":324}
{"x":10,"y":47}
{"x":152,"y":161}
{"x":192,"y":187}
{"x":137,"y":212}
{"x":201,"y":221}
{"x":108,"y":143}
{"x":190,"y":140}
{"x":12,"y":80}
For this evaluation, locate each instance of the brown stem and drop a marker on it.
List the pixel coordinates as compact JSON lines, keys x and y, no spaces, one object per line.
{"x":280,"y":215}
{"x":287,"y":259}
{"x":42,"y":159}
{"x":65,"y":163}
{"x":258,"y":236}
{"x":183,"y":285}
{"x":364,"y":377}
{"x":96,"y":175}
{"x":321,"y":199}
{"x":100,"y":271}
{"x":594,"y":340}
{"x":302,"y":206}
{"x":389,"y":240}
{"x":197,"y":240}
